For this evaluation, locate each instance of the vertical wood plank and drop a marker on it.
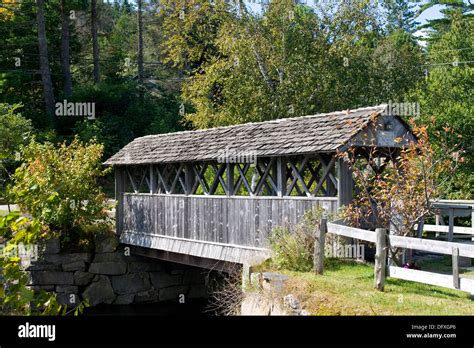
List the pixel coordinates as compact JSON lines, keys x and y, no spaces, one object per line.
{"x":451,"y":224}
{"x":380,"y":259}
{"x":456,"y":280}
{"x":345,"y":183}
{"x":281,"y":176}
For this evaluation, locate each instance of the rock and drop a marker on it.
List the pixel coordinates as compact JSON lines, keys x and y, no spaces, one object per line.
{"x":43,"y":266}
{"x":124,"y":299}
{"x":163,"y":280}
{"x":106,"y":243}
{"x":51,"y":277}
{"x":276,"y":309}
{"x":194,"y":276}
{"x":255,"y":304}
{"x":130,"y":283}
{"x":75,"y":266}
{"x":177,"y":271}
{"x":108,"y":268}
{"x":144,"y":267}
{"x":67,"y":258}
{"x":82,"y":278}
{"x":274,"y":281}
{"x":50,"y":246}
{"x":146,"y":296}
{"x":69,"y":289}
{"x":292,"y":302}
{"x":305,"y":312}
{"x":70,"y":300}
{"x":172,"y":293}
{"x":117,"y":256}
{"x":99,"y":292}
{"x":198,"y":291}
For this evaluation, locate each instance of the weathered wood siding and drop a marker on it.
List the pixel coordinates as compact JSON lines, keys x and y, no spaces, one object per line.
{"x":245,"y":221}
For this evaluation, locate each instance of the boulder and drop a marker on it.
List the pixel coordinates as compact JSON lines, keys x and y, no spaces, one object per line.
{"x":51,"y":277}
{"x":194,"y":276}
{"x":117,"y":256}
{"x":108,"y":268}
{"x":124,"y":299}
{"x":75,"y":266}
{"x":154,"y":266}
{"x":172,"y":293}
{"x":147,"y":296}
{"x":70,"y":300}
{"x":50,"y":246}
{"x":131,"y":283}
{"x":99,"y":292}
{"x":82,"y":278}
{"x":67,"y":258}
{"x":68,"y":289}
{"x":198,"y":291}
{"x":106,"y":243}
{"x":43,"y":266}
{"x":163,"y":280}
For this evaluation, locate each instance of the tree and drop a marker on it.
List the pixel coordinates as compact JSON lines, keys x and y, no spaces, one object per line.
{"x":401,"y":15}
{"x":15,"y":131}
{"x":189,"y":31}
{"x":397,"y":189}
{"x":439,"y":26}
{"x":95,"y":41}
{"x":44,"y":60}
{"x":446,"y":95}
{"x":58,"y":186}
{"x":140,"y":41}
{"x":65,"y":57}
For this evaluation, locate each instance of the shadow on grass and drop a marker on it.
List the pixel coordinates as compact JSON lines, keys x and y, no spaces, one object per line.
{"x":424,"y":289}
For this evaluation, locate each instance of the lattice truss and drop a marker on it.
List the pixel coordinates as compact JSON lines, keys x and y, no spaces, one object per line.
{"x":271,"y":176}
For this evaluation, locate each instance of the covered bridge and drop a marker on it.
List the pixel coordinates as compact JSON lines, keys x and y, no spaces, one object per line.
{"x":213,"y":196}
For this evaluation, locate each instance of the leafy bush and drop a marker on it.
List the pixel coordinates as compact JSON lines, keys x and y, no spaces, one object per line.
{"x":15,"y":130}
{"x":15,"y":296}
{"x":58,"y":185}
{"x":293,"y":246}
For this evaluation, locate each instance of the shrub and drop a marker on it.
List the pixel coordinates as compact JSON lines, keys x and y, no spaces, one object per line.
{"x":293,"y":246}
{"x":15,"y":296}
{"x":58,"y":185}
{"x":15,"y":130}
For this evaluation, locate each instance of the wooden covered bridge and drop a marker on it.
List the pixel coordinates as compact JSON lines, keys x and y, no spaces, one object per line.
{"x":213,"y":196}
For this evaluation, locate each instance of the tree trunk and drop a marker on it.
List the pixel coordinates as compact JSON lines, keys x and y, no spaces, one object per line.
{"x":65,"y":57}
{"x":140,"y":42}
{"x":48,"y":92}
{"x":95,"y":42}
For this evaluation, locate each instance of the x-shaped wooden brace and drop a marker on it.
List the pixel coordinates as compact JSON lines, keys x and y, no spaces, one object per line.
{"x":201,"y":180}
{"x":136,"y":188}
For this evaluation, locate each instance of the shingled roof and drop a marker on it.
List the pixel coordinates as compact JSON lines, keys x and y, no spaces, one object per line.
{"x":307,"y":134}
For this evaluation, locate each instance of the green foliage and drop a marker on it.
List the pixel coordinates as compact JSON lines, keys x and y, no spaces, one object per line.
{"x":122,"y":114}
{"x":190,"y":29}
{"x":15,"y":296}
{"x":58,"y":186}
{"x":294,"y":61}
{"x":446,"y":101}
{"x":15,"y":130}
{"x":293,"y":246}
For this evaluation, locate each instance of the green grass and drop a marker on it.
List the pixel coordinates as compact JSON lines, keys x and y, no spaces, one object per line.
{"x":442,"y":265}
{"x":346,"y":288}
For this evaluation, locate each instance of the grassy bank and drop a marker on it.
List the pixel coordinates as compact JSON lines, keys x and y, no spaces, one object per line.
{"x":346,"y":288}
